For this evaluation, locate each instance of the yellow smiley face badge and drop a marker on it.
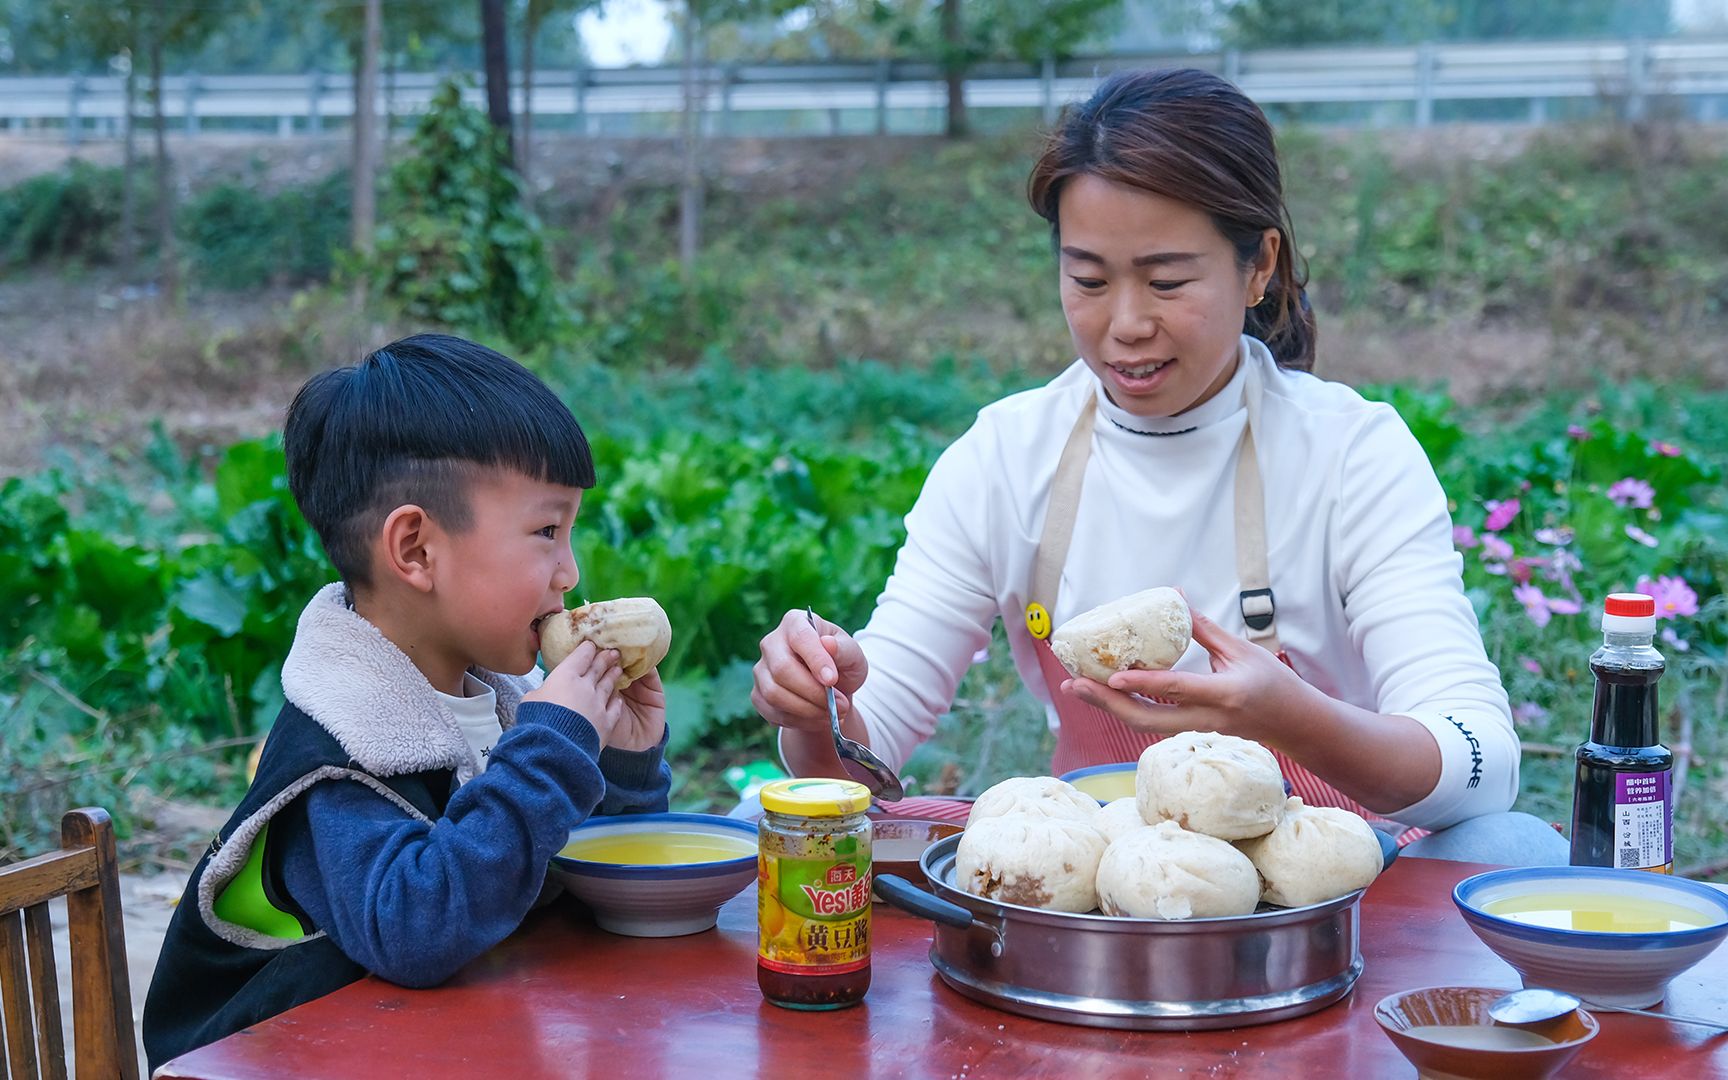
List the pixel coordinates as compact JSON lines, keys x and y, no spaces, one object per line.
{"x":1037,"y":620}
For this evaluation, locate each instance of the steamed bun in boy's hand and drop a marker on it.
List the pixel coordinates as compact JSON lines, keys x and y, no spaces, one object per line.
{"x":1042,"y":862}
{"x":1316,"y":853}
{"x":1164,"y":871}
{"x":1040,"y":796}
{"x":1215,"y":784}
{"x":636,"y":626}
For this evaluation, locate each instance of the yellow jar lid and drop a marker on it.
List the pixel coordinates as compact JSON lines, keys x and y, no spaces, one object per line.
{"x":815,"y":797}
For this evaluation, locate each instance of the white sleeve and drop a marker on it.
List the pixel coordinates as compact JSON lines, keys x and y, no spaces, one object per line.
{"x":1409,"y":619}
{"x":937,"y":608}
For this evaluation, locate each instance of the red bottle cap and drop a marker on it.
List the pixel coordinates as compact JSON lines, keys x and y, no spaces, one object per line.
{"x":1631,"y":604}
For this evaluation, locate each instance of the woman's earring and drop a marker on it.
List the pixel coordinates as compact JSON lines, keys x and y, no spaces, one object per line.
{"x":1257,"y":300}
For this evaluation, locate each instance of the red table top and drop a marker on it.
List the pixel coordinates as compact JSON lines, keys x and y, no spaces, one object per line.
{"x":561,"y":997}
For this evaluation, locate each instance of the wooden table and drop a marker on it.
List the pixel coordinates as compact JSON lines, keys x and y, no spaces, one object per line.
{"x":563,"y":998}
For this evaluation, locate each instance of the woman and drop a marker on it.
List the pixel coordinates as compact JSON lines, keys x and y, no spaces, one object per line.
{"x":1188,"y":446}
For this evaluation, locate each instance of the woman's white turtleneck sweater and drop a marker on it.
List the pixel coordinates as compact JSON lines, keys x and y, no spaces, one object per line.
{"x":1370,"y":605}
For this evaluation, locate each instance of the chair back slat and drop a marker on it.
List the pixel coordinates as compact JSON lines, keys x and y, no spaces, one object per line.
{"x":50,"y":1036}
{"x":35,"y":881}
{"x":86,"y":871}
{"x":15,"y":995}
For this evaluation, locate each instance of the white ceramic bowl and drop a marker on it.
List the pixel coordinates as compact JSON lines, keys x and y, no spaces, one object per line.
{"x":659,"y":900}
{"x":1630,"y":970}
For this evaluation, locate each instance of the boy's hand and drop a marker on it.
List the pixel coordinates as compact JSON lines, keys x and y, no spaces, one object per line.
{"x":585,"y":682}
{"x":638,"y":717}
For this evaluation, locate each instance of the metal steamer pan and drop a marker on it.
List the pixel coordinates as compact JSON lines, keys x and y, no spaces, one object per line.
{"x":1144,"y":974}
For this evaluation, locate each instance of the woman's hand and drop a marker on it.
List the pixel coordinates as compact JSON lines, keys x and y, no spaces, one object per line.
{"x":1247,"y":687}
{"x":638,"y":714}
{"x":799,"y":662}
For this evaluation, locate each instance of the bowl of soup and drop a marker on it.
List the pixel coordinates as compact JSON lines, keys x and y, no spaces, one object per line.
{"x":1446,"y":1031}
{"x":1611,"y":937}
{"x":657,"y":875}
{"x":1105,"y":782}
{"x":896,"y":845}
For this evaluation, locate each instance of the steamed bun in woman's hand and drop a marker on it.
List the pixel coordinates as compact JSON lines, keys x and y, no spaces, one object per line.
{"x":1316,"y":853}
{"x":1166,"y":872}
{"x":1042,"y":796}
{"x":1042,"y":862}
{"x":1215,"y":784}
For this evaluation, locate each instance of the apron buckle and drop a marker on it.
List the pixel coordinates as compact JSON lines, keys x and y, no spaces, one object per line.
{"x":1257,"y":608}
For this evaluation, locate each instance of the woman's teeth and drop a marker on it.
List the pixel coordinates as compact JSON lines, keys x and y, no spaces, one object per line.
{"x":1142,"y":371}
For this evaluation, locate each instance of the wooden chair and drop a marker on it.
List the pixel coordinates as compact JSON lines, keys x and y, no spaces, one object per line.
{"x":87,"y":874}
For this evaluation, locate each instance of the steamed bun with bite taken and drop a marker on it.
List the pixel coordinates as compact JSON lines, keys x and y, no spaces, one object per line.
{"x":634,"y":625}
{"x":1316,"y":853}
{"x":1040,"y":796}
{"x":1220,"y":785}
{"x":1164,"y":871}
{"x":1042,"y":862}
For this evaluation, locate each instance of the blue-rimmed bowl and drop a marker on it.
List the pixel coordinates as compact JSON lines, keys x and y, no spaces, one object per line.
{"x":1105,"y":782}
{"x":664,"y":898}
{"x":1629,"y":970}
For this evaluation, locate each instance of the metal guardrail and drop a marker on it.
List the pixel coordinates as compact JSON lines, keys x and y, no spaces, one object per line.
{"x":1630,"y":72}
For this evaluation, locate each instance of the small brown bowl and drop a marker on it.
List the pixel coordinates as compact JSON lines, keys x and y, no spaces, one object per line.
{"x":896,"y":845}
{"x":1467,"y":1007}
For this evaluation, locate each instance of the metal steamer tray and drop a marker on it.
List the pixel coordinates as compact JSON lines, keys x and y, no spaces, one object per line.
{"x":1144,"y":974}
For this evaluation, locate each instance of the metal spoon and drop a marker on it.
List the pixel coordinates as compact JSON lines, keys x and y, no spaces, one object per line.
{"x":1534,"y":1005}
{"x":859,"y":761}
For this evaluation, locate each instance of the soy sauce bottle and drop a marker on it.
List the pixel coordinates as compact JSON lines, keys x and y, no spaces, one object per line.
{"x":1622,"y":800}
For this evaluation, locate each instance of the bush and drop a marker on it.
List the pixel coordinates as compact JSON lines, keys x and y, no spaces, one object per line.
{"x":237,"y":238}
{"x":458,"y":245}
{"x":73,"y":214}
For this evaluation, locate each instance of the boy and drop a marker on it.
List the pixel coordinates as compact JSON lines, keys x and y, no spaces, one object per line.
{"x":420,"y":777}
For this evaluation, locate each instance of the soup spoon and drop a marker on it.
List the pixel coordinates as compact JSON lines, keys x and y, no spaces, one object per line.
{"x":1534,"y":1005}
{"x":859,"y":761}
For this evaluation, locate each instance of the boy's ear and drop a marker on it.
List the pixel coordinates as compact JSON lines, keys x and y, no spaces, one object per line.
{"x":406,"y":559}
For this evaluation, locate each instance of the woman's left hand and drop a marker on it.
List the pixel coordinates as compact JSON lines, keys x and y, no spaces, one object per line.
{"x":1247,"y":687}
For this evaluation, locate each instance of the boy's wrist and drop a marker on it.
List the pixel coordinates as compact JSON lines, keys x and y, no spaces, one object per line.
{"x":562,"y":719}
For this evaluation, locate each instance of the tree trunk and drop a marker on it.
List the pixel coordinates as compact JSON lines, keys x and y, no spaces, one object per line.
{"x":525,"y":149}
{"x":167,"y":259}
{"x":690,"y":190}
{"x":955,"y":68}
{"x":128,"y":178}
{"x":363,"y":210}
{"x":497,"y":55}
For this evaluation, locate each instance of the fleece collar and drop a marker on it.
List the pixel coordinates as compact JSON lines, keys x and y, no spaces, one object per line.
{"x":357,"y":685}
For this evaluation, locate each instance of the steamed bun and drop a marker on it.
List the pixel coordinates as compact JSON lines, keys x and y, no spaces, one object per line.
{"x":1041,"y":796}
{"x":1166,"y":872}
{"x":1119,"y":817}
{"x":1316,"y":853}
{"x":1220,"y":785}
{"x":1043,"y":862}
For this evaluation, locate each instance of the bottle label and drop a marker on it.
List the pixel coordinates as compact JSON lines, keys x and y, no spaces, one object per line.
{"x":814,"y":915}
{"x":1643,"y":821}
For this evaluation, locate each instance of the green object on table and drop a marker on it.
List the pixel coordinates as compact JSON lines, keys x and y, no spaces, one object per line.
{"x":747,"y":780}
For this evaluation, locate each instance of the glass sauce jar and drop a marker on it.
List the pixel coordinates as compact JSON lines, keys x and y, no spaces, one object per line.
{"x":813,"y":893}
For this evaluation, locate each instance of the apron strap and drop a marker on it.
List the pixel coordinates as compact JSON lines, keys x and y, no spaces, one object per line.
{"x":1258,"y":610}
{"x":1061,"y":510}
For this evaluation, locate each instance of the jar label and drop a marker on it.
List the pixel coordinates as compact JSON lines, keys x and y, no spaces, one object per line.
{"x":813,"y":915}
{"x":1643,"y":821}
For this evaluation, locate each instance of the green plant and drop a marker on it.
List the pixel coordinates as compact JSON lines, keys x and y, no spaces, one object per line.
{"x":64,"y":215}
{"x":458,"y":245}
{"x":240,"y":238}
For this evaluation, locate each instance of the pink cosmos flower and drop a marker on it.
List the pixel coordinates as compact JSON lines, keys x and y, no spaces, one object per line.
{"x":1528,"y":711}
{"x":1495,"y":548}
{"x":1535,"y":604}
{"x":1675,"y":641}
{"x":1578,"y":431}
{"x":1464,"y":536}
{"x":1631,"y":492}
{"x":1641,"y":536}
{"x":1530,"y":665}
{"x":1665,"y":449}
{"x":1559,"y":537}
{"x":1674,"y":598}
{"x":1500,"y":514}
